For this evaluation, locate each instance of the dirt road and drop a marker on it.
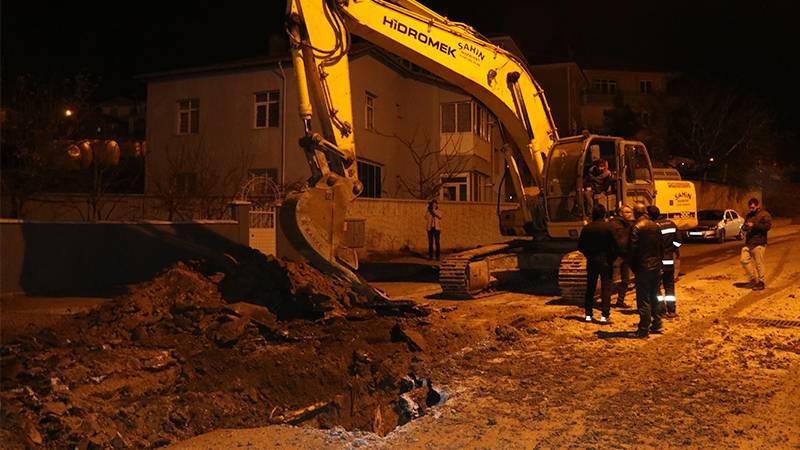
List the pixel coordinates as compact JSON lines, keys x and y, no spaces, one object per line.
{"x":724,"y":374}
{"x":172,"y":360}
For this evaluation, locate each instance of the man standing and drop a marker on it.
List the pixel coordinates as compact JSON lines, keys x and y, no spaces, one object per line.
{"x":671,"y":244}
{"x":645,"y":253}
{"x":434,"y":226}
{"x":756,"y":224}
{"x":621,"y":229}
{"x":597,"y":245}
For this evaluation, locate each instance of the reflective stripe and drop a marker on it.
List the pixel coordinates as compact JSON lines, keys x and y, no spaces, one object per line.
{"x":669,"y":298}
{"x":668,"y":230}
{"x":660,"y":297}
{"x":677,"y":244}
{"x":668,"y":262}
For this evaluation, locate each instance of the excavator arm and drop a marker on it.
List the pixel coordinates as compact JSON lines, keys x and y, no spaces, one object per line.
{"x":320,"y":31}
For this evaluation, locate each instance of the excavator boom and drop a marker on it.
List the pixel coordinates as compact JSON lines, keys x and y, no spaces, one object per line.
{"x":319,"y":32}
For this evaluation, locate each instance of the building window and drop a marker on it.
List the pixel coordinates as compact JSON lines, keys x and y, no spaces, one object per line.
{"x":456,"y":117}
{"x":645,"y":86}
{"x":605,"y":86}
{"x":186,"y":183}
{"x":369,"y":111}
{"x":454,"y":189}
{"x":188,"y":116}
{"x":267,"y":109}
{"x":370,"y":175}
{"x":463,"y":187}
{"x":481,"y":123}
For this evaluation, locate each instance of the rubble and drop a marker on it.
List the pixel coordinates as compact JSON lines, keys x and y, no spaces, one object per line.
{"x":272,"y":342}
{"x":416,"y":343}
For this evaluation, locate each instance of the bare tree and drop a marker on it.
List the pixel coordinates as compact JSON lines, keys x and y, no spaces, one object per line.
{"x":719,"y":124}
{"x":193,"y":184}
{"x":432,"y":164}
{"x":36,"y":113}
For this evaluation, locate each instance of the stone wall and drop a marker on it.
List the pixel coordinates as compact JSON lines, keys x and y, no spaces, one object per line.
{"x":80,"y":258}
{"x":395,"y":226}
{"x":712,"y":195}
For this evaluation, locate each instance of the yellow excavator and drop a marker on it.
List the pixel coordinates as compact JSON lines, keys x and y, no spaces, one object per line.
{"x":547,"y":172}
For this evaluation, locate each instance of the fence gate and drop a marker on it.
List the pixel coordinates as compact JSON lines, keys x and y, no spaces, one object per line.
{"x":262,"y":229}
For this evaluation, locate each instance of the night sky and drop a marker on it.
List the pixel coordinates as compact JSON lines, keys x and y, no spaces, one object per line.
{"x":752,"y":44}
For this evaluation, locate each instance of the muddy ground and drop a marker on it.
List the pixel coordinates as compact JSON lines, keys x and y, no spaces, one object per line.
{"x":518,"y":371}
{"x":173,"y":358}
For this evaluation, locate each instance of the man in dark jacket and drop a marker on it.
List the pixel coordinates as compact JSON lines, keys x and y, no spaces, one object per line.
{"x":645,"y":253}
{"x":621,"y":229}
{"x":597,"y":245}
{"x":756,"y":224}
{"x":598,"y":183}
{"x":671,"y":244}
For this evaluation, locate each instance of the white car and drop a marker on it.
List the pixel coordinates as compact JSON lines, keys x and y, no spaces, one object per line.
{"x":717,"y":225}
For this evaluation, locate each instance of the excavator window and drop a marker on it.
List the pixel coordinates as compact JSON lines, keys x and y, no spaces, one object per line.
{"x":562,"y":186}
{"x":637,"y":165}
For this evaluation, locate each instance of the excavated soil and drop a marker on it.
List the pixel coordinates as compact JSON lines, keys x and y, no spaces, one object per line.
{"x":173,"y":359}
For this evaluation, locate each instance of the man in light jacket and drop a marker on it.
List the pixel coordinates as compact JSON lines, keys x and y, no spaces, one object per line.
{"x":434,"y":224}
{"x":756,"y":224}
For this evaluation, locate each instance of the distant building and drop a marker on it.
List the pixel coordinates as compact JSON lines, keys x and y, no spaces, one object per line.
{"x":239,"y":120}
{"x":564,"y":86}
{"x":124,"y":117}
{"x":640,"y":90}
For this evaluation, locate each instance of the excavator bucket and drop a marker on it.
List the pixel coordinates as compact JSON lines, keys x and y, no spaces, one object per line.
{"x":313,"y":220}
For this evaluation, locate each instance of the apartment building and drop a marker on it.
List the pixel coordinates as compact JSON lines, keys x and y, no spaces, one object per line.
{"x":210,"y":129}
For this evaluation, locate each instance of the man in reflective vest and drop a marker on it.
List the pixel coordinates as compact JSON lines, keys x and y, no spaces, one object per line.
{"x":671,"y":244}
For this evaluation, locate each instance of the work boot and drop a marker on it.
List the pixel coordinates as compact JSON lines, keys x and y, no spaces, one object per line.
{"x":759,"y":286}
{"x":588,"y":319}
{"x":657,"y":328}
{"x":605,"y":320}
{"x":642,"y":334}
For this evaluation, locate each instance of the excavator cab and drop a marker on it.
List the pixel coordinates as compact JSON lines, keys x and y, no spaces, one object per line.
{"x":567,"y":194}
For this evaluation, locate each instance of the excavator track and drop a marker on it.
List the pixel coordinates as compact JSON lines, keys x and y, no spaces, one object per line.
{"x":456,"y":276}
{"x":572,"y":277}
{"x":453,"y":276}
{"x":462,"y":275}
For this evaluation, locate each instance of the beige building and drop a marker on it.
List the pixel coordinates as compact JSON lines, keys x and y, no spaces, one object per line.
{"x":211,"y":128}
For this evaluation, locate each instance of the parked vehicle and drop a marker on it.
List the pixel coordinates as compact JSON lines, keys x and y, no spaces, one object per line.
{"x":717,"y":225}
{"x":677,"y":199}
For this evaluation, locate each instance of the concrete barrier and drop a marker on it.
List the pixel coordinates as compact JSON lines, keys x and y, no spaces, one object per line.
{"x":78,"y":258}
{"x":397,"y":225}
{"x":711,"y":195}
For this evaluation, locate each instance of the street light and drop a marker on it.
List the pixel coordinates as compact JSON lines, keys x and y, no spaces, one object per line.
{"x":68,"y":112}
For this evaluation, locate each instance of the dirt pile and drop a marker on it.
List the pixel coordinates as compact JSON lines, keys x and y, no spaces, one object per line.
{"x":173,"y":359}
{"x":289,"y":289}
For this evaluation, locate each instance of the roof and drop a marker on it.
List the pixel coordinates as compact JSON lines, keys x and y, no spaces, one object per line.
{"x":225,"y":67}
{"x":358,"y":50}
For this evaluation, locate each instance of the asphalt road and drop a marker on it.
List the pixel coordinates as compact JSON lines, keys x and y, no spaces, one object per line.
{"x":696,"y":255}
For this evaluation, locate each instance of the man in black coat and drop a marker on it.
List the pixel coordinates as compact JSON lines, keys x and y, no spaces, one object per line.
{"x":756,"y":224}
{"x":645,"y":253}
{"x":621,"y":229}
{"x":596,"y":242}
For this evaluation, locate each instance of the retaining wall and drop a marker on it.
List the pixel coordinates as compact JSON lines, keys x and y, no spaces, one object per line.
{"x":397,"y":225}
{"x":78,"y":258}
